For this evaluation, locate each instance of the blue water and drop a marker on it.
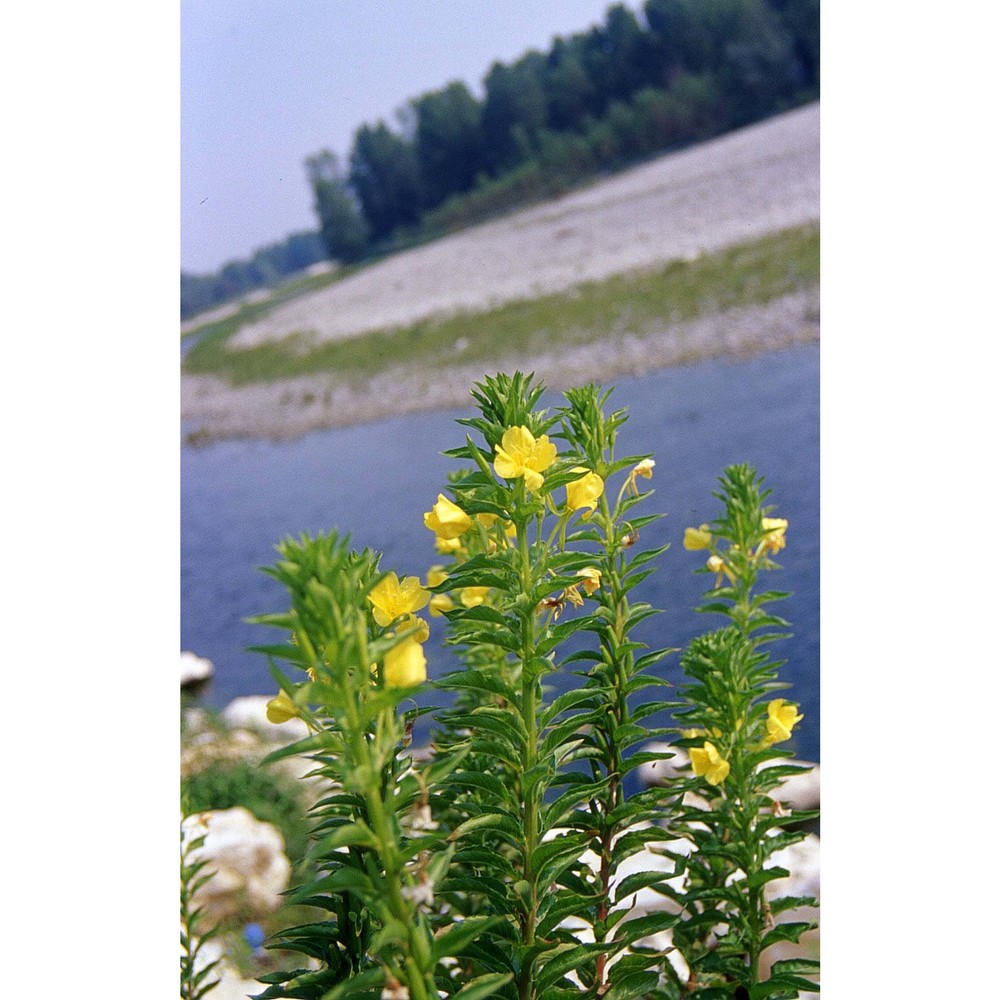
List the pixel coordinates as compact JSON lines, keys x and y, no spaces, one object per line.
{"x":238,"y":498}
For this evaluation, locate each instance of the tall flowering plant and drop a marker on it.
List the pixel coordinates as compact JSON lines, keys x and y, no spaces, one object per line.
{"x":732,"y":725}
{"x":509,"y":861}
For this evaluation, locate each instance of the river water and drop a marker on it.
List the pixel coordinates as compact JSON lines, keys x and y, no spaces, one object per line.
{"x":373,"y":482}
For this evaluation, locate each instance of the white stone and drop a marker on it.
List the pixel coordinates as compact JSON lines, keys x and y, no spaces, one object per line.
{"x":194,"y":669}
{"x":250,"y":712}
{"x":800,"y":791}
{"x":657,"y":772}
{"x":801,"y":860}
{"x":246,"y":858}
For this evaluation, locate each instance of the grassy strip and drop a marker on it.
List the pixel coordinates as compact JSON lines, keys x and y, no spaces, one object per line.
{"x":638,"y":303}
{"x":221,"y":330}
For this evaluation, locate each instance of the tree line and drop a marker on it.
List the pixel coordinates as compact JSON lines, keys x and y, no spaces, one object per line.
{"x":680,"y":72}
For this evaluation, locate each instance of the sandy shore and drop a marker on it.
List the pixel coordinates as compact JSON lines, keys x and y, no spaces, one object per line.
{"x":735,"y":188}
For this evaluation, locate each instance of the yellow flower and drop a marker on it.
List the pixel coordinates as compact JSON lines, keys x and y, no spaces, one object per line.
{"x":718,"y":566}
{"x":474,"y":596}
{"x":446,"y":519}
{"x":781,"y":719}
{"x":405,"y":665}
{"x":519,"y":454}
{"x":584,"y":492}
{"x":446,"y":545}
{"x":710,"y":763}
{"x":390,"y":598}
{"x":487,"y":520}
{"x":697,"y":538}
{"x":644,"y":469}
{"x":440,"y":603}
{"x":423,"y":631}
{"x":591,"y":579}
{"x":572,"y":594}
{"x":436,"y":575}
{"x":281,"y":708}
{"x":774,"y":540}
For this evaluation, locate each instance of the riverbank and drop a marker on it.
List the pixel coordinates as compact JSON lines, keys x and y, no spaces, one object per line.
{"x":708,"y":252}
{"x":212,"y":409}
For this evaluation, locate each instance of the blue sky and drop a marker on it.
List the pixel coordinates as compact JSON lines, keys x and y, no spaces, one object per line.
{"x":265,"y":84}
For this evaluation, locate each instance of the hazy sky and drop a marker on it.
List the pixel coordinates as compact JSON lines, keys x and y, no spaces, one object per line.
{"x":265,"y":84}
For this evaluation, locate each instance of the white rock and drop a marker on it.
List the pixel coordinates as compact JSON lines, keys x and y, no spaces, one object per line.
{"x":801,"y":860}
{"x":194,"y":669}
{"x":250,"y":712}
{"x":659,"y":772}
{"x":246,"y":859}
{"x":800,"y":791}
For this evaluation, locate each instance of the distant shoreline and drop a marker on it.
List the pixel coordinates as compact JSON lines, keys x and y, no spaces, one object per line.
{"x":212,"y":410}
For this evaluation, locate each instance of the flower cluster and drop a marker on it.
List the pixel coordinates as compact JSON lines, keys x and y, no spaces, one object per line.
{"x":393,"y":600}
{"x":721,"y":564}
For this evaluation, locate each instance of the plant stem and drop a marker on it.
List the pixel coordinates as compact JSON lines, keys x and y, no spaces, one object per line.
{"x":529,"y":711}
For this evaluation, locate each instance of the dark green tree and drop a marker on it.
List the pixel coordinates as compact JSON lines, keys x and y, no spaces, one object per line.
{"x":449,"y":141}
{"x":342,"y":226}
{"x":385,"y":173}
{"x":513,"y":110}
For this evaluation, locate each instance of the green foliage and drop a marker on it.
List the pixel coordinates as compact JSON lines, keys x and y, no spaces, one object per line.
{"x":196,"y":977}
{"x":508,"y":862}
{"x":271,"y":796}
{"x":342,"y":226}
{"x":595,"y":101}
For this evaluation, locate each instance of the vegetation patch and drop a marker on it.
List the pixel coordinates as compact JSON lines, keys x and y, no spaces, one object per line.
{"x":639,"y":304}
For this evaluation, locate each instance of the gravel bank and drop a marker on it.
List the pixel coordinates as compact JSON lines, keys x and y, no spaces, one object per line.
{"x":732,"y":189}
{"x":212,"y":409}
{"x":729,"y":190}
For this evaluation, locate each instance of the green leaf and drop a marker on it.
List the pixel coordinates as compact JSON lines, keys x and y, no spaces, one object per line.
{"x":781,"y":987}
{"x":639,"y":984}
{"x":459,"y":934}
{"x":783,"y":903}
{"x":767,"y":875}
{"x":786,"y":932}
{"x":349,"y":835}
{"x":370,"y":979}
{"x":484,"y":986}
{"x":568,"y":958}
{"x":344,"y":879}
{"x":639,"y":880}
{"x":652,"y":923}
{"x":476,"y":823}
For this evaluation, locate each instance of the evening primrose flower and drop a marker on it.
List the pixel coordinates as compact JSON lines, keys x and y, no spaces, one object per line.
{"x":775,"y":528}
{"x":440,"y":603}
{"x":405,"y":664}
{"x":781,"y":719}
{"x":709,"y":762}
{"x":472,"y":597}
{"x":584,"y":492}
{"x":390,"y":598}
{"x":520,"y":454}
{"x":436,"y":575}
{"x":422,"y":634}
{"x":447,"y":545}
{"x":591,"y":579}
{"x":697,"y":538}
{"x":446,"y":519}
{"x":281,"y":708}
{"x":718,"y":566}
{"x":644,"y":469}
